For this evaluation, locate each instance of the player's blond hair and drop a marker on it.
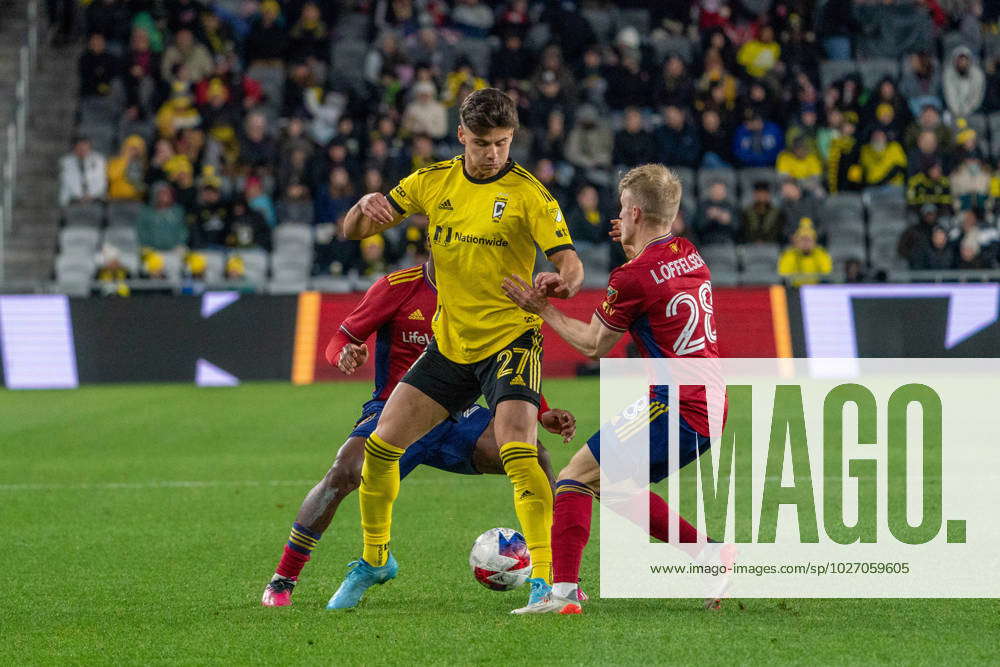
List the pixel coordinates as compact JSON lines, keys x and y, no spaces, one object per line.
{"x":655,"y":189}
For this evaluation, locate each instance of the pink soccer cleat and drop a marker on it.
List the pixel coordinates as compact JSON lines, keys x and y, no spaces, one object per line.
{"x":278,"y":592}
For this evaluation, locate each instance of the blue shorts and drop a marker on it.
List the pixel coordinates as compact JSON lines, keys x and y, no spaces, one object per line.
{"x":447,"y":447}
{"x":627,"y":424}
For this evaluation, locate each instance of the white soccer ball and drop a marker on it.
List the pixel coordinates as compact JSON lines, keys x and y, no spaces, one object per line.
{"x":500,"y":559}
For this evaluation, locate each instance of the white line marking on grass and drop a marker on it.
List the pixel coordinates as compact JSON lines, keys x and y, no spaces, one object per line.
{"x":180,"y":484}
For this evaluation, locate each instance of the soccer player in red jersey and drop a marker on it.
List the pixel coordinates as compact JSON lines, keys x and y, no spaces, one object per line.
{"x":398,"y":307}
{"x":663,"y":297}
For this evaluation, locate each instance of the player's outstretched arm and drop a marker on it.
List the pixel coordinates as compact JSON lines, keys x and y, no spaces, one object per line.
{"x":566,"y":283}
{"x":369,"y":216}
{"x":593,"y":340}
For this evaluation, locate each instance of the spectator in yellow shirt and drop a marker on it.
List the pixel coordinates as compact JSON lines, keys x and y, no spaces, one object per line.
{"x":760,"y":55}
{"x":127,"y":171}
{"x":801,"y":164}
{"x":806,"y":260}
{"x":883,"y":161}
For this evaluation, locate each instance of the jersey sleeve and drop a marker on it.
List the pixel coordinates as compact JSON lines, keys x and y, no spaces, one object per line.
{"x":548,"y":225}
{"x":405,"y":197}
{"x":376,"y":308}
{"x":622,"y":304}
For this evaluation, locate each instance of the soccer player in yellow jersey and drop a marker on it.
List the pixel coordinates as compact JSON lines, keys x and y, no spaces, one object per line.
{"x":486,"y":213}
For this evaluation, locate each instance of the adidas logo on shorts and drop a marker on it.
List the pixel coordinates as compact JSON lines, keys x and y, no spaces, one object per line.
{"x":518,"y":380}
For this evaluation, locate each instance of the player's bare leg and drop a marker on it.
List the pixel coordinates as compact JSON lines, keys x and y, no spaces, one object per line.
{"x":314,"y":517}
{"x":409,"y":414}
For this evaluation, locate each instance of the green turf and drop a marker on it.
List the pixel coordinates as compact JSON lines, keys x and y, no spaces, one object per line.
{"x":102,"y":565}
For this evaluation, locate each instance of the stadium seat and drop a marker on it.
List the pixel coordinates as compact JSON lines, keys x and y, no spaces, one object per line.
{"x":993,"y":121}
{"x":477,"y":51}
{"x":84,"y":214}
{"x":757,"y":256}
{"x":834,"y":70}
{"x":952,"y":40}
{"x":103,"y":136}
{"x":348,"y":58}
{"x":293,"y":238}
{"x":122,"y":237}
{"x":638,"y":18}
{"x":287,"y":266}
{"x":884,"y":254}
{"x":757,"y":276}
{"x":666,"y":46}
{"x":539,"y":35}
{"x":601,"y":21}
{"x":215,"y":265}
{"x":843,"y":205}
{"x":708,"y":176}
{"x":74,"y":272}
{"x":842,"y":249}
{"x":285,"y":286}
{"x":720,"y":257}
{"x":78,"y":240}
{"x":331,"y":284}
{"x":296,"y":212}
{"x":747,"y":177}
{"x":875,"y":69}
{"x":255,"y":263}
{"x":725,"y":277}
{"x":271,"y":79}
{"x":123,"y":213}
{"x":352,"y":26}
{"x":689,"y":183}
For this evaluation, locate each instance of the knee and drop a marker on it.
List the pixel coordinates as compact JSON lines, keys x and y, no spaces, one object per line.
{"x":340,"y":481}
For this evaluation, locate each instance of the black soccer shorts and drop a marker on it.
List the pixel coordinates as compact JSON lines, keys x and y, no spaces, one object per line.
{"x":514,"y":372}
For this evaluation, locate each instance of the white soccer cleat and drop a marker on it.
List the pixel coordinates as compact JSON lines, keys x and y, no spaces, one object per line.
{"x":718,"y":554}
{"x":551,"y":604}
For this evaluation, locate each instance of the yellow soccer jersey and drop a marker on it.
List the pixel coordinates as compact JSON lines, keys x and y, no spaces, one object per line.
{"x":481,"y":231}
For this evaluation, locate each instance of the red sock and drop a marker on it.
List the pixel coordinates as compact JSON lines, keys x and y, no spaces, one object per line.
{"x":291,"y":563}
{"x":298,"y":551}
{"x":659,"y":526}
{"x":570,"y":529}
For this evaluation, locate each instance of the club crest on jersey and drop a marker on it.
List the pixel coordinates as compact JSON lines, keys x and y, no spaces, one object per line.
{"x":499,"y":206}
{"x":612,"y":295}
{"x":675,"y":246}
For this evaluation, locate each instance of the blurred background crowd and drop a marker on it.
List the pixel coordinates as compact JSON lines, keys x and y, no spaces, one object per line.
{"x":837,"y":140}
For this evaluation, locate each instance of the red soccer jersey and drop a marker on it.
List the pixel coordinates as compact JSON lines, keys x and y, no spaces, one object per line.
{"x":663,"y":298}
{"x":399,"y":307}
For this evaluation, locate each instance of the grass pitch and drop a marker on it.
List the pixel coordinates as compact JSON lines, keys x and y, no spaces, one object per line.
{"x":140,"y":524}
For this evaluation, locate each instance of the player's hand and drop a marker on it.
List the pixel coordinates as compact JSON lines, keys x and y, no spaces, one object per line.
{"x":376,"y":206}
{"x":524,"y":295}
{"x":560,"y":422}
{"x":616,"y":236}
{"x":616,"y":230}
{"x":552,"y":284}
{"x":352,"y":357}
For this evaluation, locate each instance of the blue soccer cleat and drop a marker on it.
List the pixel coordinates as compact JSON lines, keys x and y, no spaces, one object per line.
{"x":361,"y":577}
{"x":539,"y":590}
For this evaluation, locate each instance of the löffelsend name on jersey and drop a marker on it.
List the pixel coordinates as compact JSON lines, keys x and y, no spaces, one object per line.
{"x":667,"y":270}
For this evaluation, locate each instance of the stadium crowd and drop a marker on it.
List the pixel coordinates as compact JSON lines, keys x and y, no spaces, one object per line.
{"x":814,"y":138}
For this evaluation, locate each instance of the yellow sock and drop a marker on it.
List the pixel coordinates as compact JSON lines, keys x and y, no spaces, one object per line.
{"x":532,"y":503}
{"x":379,"y":488}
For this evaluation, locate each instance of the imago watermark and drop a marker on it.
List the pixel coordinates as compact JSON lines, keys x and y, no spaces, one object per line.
{"x":873,"y":478}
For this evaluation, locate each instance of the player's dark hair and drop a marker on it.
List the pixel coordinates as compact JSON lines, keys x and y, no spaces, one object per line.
{"x":487,"y":109}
